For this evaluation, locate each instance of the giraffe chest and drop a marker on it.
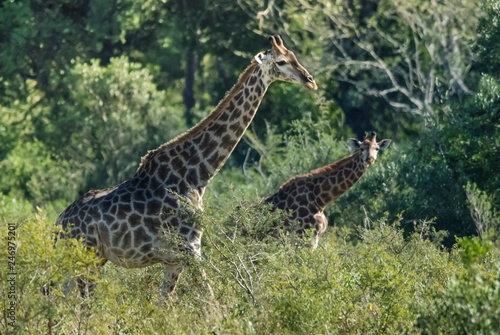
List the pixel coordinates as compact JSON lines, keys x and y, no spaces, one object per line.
{"x":303,"y":210}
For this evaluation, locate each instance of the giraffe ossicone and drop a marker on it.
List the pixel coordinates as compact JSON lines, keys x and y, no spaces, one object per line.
{"x":306,"y":196}
{"x":125,"y":223}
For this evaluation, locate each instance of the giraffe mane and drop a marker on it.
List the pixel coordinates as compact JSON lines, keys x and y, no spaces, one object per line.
{"x":321,"y":170}
{"x":190,"y":133}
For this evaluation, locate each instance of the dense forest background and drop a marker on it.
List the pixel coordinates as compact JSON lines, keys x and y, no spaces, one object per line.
{"x":88,"y":87}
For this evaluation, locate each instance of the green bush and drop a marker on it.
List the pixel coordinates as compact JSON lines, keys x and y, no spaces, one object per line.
{"x":38,"y":264}
{"x":470,"y":302}
{"x":370,"y":281}
{"x":370,"y":287}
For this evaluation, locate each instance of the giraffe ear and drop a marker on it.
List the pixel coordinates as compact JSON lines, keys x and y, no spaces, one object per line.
{"x":354,"y":143}
{"x":383,"y":144}
{"x":259,"y":57}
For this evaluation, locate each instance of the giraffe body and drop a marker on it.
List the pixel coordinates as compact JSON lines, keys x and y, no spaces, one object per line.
{"x":126,"y":224}
{"x":307,"y":196}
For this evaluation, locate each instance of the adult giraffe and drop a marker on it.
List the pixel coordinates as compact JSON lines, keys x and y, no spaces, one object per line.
{"x":307,"y":196}
{"x":126,"y":223}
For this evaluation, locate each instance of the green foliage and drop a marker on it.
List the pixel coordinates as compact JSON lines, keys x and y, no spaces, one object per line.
{"x":51,"y":36}
{"x":481,"y":211}
{"x":12,"y":208}
{"x":471,"y":137}
{"x":121,"y":114}
{"x":470,"y":303}
{"x":94,"y":137}
{"x":38,"y":264}
{"x":474,"y":250}
{"x":374,"y":281}
{"x":368,"y":287}
{"x":33,"y":171}
{"x":488,"y":43}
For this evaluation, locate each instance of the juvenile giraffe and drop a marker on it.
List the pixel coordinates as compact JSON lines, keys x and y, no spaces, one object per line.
{"x":306,"y":196}
{"x":126,"y":223}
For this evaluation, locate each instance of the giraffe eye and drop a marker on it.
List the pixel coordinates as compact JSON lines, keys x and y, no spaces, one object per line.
{"x":281,"y":62}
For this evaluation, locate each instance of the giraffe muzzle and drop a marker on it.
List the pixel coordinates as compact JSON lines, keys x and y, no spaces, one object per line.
{"x":310,"y":83}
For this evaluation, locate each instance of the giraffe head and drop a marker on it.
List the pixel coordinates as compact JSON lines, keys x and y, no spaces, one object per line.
{"x":369,"y":147}
{"x":281,"y":64}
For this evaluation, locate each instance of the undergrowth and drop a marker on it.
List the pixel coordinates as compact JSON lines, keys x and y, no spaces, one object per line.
{"x":365,"y":281}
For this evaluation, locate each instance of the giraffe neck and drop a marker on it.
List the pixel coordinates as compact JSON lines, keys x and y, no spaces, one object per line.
{"x":223,"y":133}
{"x":335,"y":179}
{"x":198,"y":154}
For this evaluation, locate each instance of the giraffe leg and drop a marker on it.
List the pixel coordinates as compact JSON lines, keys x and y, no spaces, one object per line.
{"x":196,"y":250}
{"x":87,"y":285}
{"x":172,"y":274}
{"x":205,"y":279}
{"x":314,"y":242}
